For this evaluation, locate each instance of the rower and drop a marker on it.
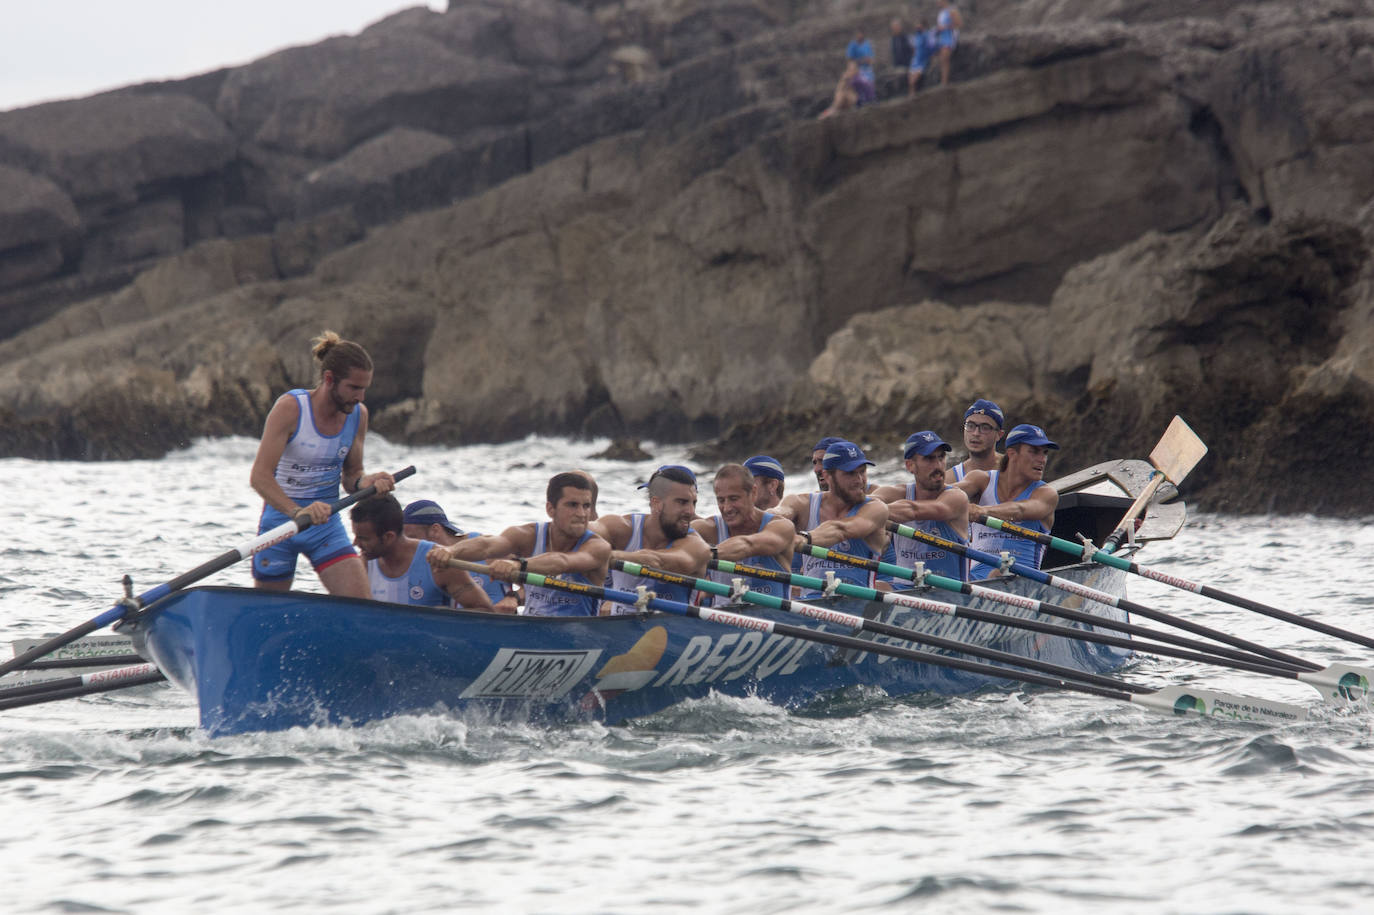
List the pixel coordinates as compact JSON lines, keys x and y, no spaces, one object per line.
{"x":982,"y":431}
{"x":843,"y":517}
{"x":397,"y":570}
{"x":743,"y":532}
{"x":1017,"y":492}
{"x":930,"y":505}
{"x":818,"y":459}
{"x":662,"y":537}
{"x":769,"y":480}
{"x":426,"y":520}
{"x":563,"y":546}
{"x":311,"y":443}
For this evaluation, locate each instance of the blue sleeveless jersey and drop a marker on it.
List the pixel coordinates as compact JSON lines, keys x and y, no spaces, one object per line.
{"x":311,"y":464}
{"x":495,"y":588}
{"x":1024,"y":552}
{"x":906,"y":551}
{"x":414,"y":586}
{"x":541,"y":601}
{"x":757,"y":585}
{"x":623,"y":581}
{"x":854,"y":546}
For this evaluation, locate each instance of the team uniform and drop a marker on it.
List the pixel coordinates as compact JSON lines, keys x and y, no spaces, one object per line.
{"x":855,"y":546}
{"x":907,"y":551}
{"x":757,"y":585}
{"x":623,"y":581}
{"x":414,"y":586}
{"x":310,"y":470}
{"x":495,"y":588}
{"x":1024,"y":552}
{"x":542,"y":601}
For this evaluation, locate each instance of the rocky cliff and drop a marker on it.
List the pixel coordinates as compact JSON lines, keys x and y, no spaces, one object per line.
{"x":624,"y":218}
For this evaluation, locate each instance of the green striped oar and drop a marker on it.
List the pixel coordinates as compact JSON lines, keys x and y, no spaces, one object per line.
{"x":1170,"y":699}
{"x":1338,"y":683}
{"x":1102,"y":597}
{"x":1120,"y":562}
{"x":1174,"y":457}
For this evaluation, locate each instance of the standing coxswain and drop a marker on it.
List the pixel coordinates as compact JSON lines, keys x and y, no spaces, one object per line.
{"x":312,"y":442}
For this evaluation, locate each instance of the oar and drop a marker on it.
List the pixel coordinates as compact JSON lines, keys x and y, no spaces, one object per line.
{"x":70,"y":687}
{"x":223,"y":561}
{"x":1040,"y":606}
{"x":1102,"y":597}
{"x":1174,"y":457}
{"x":1338,"y":683}
{"x":1120,"y":562}
{"x":828,"y":615}
{"x":1175,"y":700}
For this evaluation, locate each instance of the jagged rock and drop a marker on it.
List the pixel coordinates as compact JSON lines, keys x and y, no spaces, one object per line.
{"x":399,"y":171}
{"x":624,"y":449}
{"x":33,"y":210}
{"x":106,"y":148}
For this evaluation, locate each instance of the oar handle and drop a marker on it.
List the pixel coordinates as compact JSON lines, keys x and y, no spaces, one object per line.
{"x":1127,"y":521}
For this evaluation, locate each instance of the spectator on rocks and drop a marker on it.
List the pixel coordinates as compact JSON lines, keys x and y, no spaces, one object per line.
{"x":948,"y":22}
{"x":851,"y":91}
{"x":901,"y":47}
{"x":922,"y":46}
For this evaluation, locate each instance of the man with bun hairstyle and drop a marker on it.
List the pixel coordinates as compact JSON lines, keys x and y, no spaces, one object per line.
{"x":312,"y":443}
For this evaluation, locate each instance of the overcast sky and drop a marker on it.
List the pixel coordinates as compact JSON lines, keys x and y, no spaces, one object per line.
{"x":69,"y":48}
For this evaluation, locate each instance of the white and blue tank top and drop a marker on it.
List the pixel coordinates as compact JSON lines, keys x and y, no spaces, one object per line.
{"x":854,"y":546}
{"x":623,"y":581}
{"x":906,"y":551}
{"x":757,"y":585}
{"x":543,"y":601}
{"x":311,"y":465}
{"x":981,"y":537}
{"x":414,"y":586}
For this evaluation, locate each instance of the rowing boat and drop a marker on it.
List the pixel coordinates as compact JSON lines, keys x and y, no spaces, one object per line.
{"x":264,"y":661}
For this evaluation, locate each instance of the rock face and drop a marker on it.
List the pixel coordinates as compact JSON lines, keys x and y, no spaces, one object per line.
{"x":623,"y":219}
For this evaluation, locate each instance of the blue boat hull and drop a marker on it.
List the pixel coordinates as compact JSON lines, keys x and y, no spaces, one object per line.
{"x":265,"y":661}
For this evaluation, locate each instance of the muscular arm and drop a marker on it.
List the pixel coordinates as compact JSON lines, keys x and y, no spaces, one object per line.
{"x":688,"y":557}
{"x":776,"y":537}
{"x":513,"y":540}
{"x":794,"y":509}
{"x":276,"y":432}
{"x":1039,"y":506}
{"x":973,"y":484}
{"x":863,"y":524}
{"x":459,"y":585}
{"x":614,"y":529}
{"x":951,"y":506}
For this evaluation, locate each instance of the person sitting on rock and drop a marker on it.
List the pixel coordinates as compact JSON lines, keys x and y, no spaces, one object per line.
{"x":848,"y":91}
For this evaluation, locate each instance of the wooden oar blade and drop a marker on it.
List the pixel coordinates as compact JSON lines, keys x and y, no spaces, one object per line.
{"x":1178,"y":451}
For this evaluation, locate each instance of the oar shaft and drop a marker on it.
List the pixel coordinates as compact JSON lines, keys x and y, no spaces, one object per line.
{"x":1001,"y":619}
{"x":854,"y":621}
{"x":1035,"y":605}
{"x":1183,"y":584}
{"x":1170,"y":700}
{"x":103,"y":676}
{"x":102,"y":686}
{"x":1160,"y":616}
{"x":223,"y":561}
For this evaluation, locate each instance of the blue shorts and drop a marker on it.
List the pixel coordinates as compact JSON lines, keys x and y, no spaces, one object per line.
{"x":323,"y":544}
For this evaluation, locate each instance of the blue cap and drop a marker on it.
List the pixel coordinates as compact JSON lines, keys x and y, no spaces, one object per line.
{"x":1026,"y":434}
{"x":987,"y":408}
{"x":675,"y":472}
{"x":924,"y":444}
{"x":844,"y":456}
{"x":761,"y":465}
{"x":826,"y":442}
{"x":427,"y":512}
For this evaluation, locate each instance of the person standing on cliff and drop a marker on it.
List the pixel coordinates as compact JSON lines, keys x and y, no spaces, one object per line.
{"x":982,"y":431}
{"x":948,"y":22}
{"x":901,"y":47}
{"x":312,"y":442}
{"x":1015,"y":492}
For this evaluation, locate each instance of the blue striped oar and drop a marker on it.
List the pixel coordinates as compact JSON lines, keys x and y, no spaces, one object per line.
{"x":1339,"y":683}
{"x":1121,"y":562}
{"x":132,"y":604}
{"x":1102,"y":597}
{"x":1173,"y":700}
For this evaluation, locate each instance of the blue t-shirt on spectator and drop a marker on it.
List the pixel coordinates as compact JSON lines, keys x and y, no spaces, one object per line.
{"x":923,"y":45}
{"x":862,"y":51}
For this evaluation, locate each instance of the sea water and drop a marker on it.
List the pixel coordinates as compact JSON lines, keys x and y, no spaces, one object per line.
{"x":1025,"y":801}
